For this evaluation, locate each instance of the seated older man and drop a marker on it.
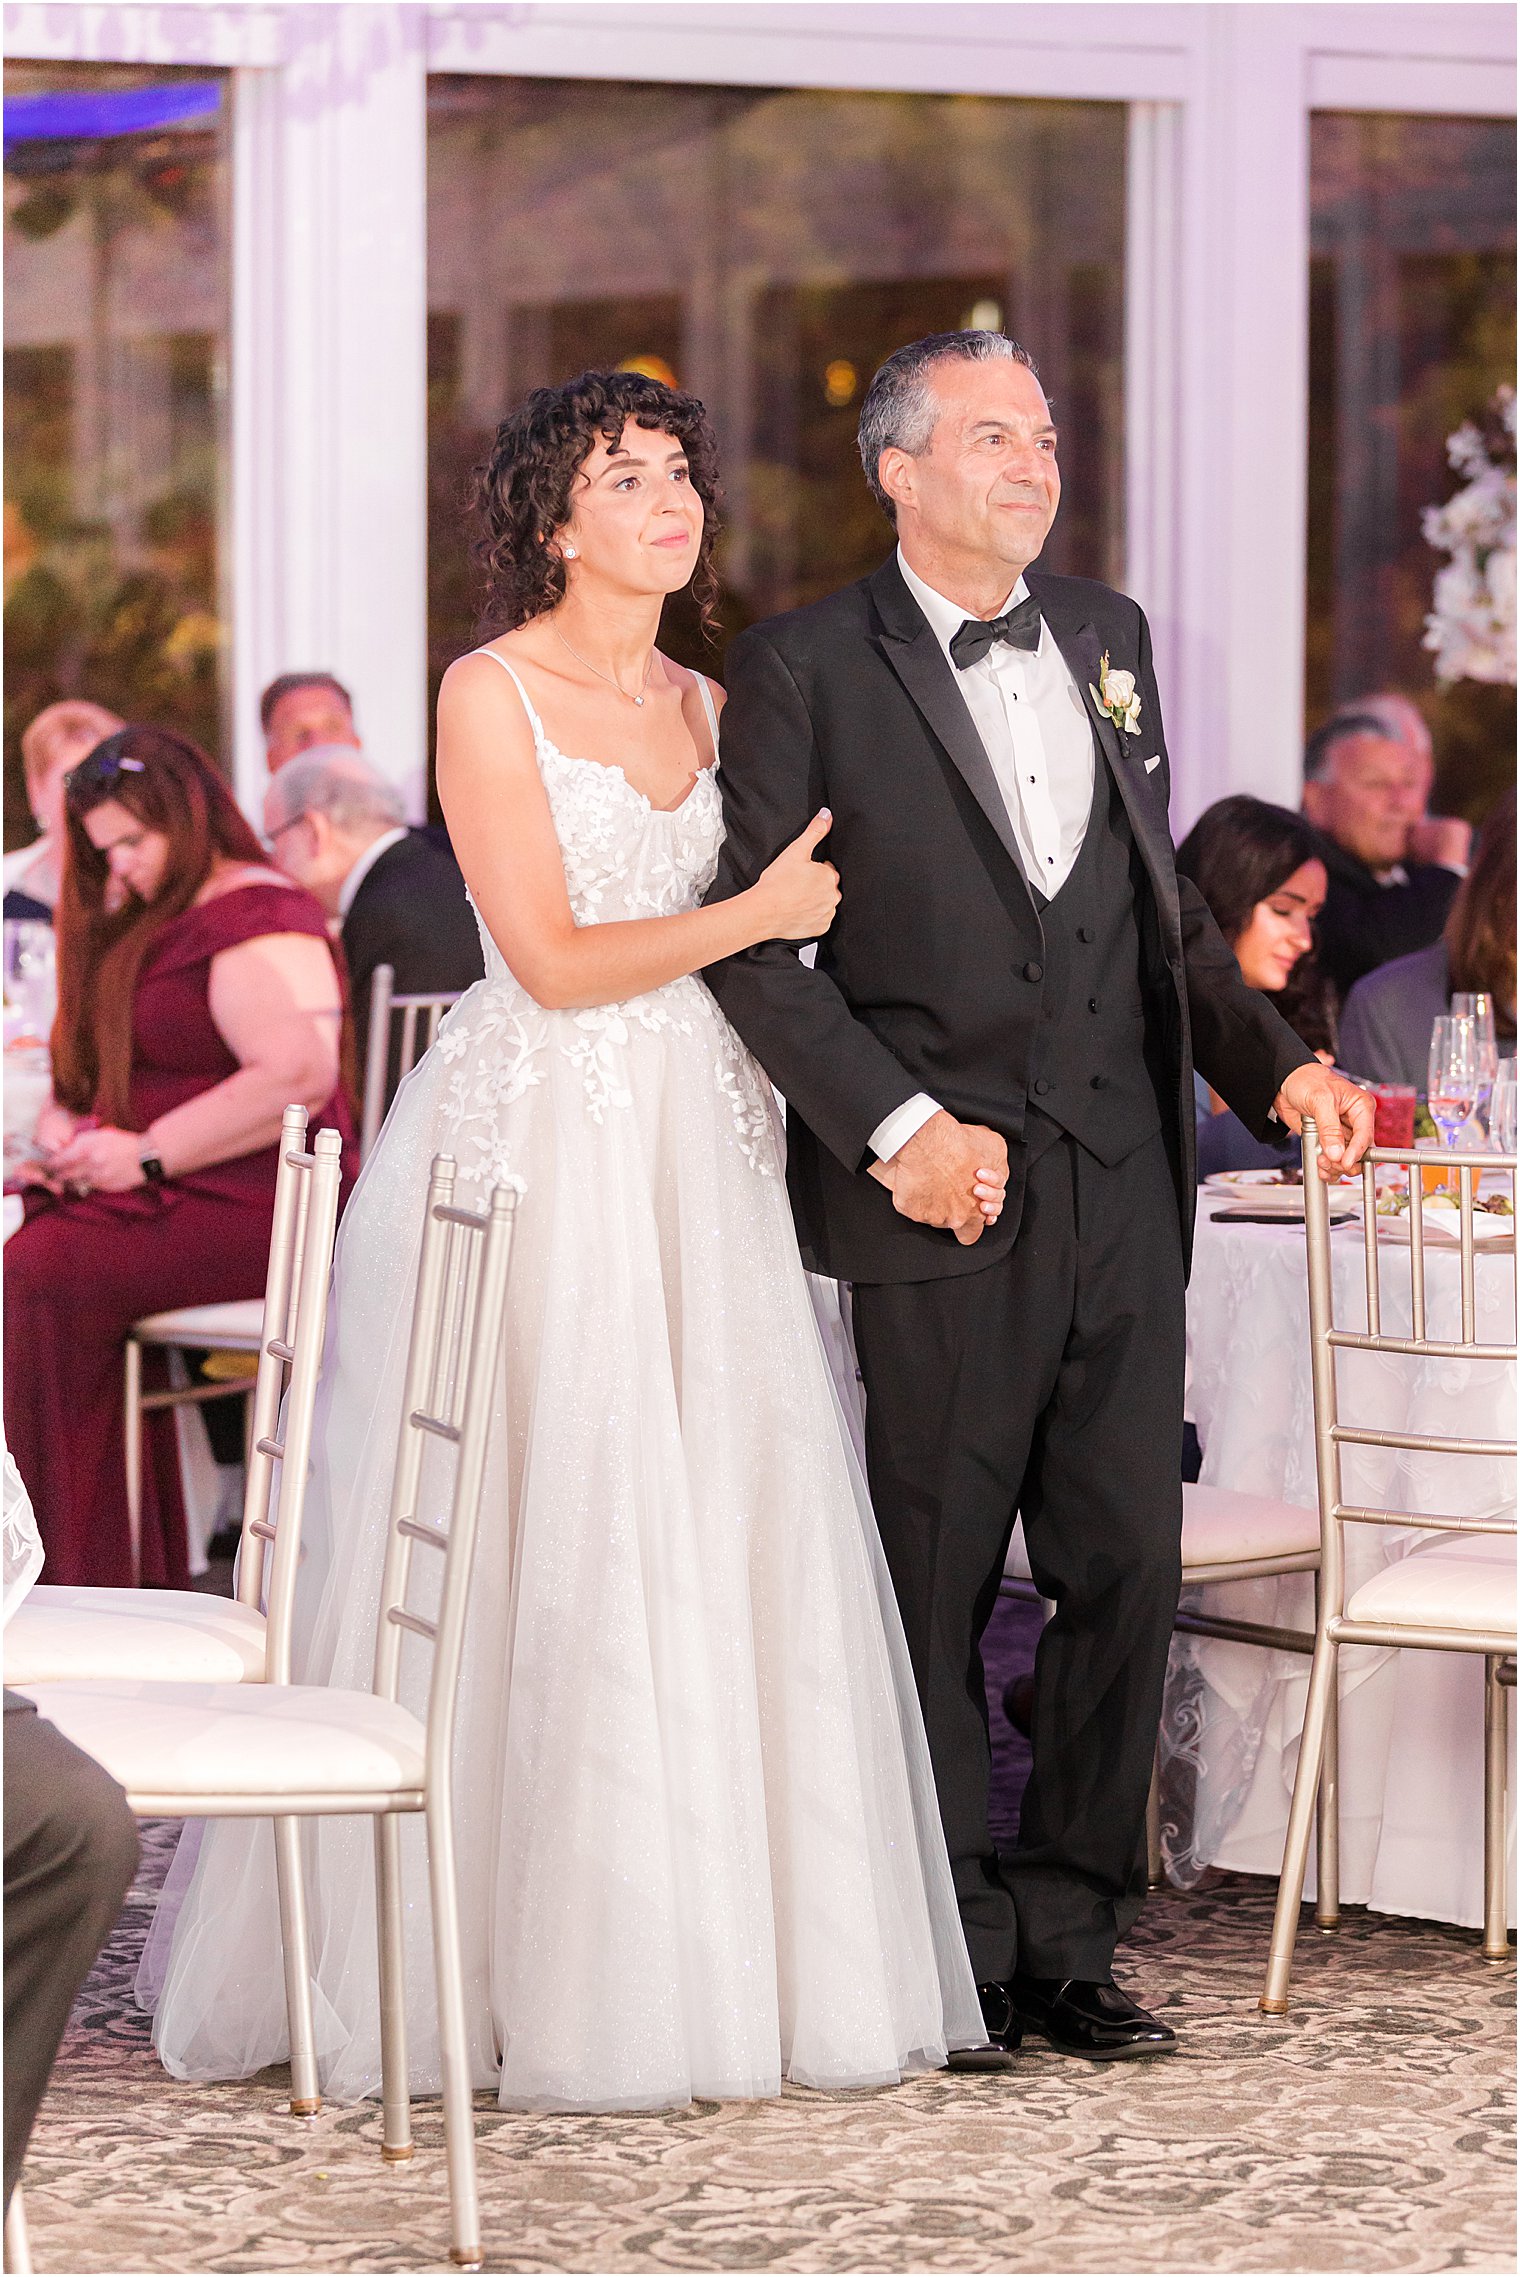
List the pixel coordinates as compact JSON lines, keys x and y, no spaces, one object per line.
{"x":1394,"y":868}
{"x":338,"y":827}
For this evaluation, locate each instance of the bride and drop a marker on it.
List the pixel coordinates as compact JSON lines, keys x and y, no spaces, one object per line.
{"x":699,"y":1847}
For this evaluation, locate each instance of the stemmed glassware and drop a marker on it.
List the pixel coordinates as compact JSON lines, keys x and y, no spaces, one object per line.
{"x":1501,"y":1111}
{"x":31,"y":977}
{"x":1456,"y":1062}
{"x":1478,"y":1006}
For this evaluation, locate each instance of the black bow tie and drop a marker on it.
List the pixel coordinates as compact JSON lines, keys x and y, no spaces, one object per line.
{"x":1019,"y":627}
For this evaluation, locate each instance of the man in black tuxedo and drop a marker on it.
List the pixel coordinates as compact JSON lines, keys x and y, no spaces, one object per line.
{"x":337,"y":826}
{"x":1017,"y":983}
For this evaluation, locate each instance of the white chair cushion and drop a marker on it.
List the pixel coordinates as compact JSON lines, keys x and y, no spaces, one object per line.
{"x":186,"y":1741}
{"x":176,"y":1636}
{"x":1450,"y":1582}
{"x":1219,"y":1527}
{"x":235,"y":1327}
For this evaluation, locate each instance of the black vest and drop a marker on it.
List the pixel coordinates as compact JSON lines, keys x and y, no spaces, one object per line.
{"x":1089,"y":1072}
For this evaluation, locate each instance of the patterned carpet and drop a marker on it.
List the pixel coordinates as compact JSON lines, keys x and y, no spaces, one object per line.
{"x":1370,"y":2130}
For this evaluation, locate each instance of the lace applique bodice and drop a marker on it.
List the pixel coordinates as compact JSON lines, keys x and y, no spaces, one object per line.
{"x":623,"y":859}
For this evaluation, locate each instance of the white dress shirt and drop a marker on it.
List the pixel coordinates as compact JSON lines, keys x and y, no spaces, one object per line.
{"x":1034,"y":728}
{"x":366,"y":862}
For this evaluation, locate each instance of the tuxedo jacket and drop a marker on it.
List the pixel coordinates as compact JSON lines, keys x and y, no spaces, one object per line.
{"x":410,"y":912}
{"x":920,"y":983}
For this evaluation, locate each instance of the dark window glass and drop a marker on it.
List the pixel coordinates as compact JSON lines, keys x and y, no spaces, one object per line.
{"x":1411,"y":331}
{"x":767,"y":249}
{"x":116,"y":314}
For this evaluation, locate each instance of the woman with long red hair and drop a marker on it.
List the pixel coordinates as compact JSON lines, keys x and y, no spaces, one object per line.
{"x":197,"y":999}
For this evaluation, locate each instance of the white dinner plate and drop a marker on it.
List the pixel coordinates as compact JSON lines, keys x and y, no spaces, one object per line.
{"x":1443,"y":1229}
{"x":1264,"y":1192}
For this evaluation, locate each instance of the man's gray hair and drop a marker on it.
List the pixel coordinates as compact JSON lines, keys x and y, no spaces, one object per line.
{"x":1339,"y":728}
{"x":900,"y":411}
{"x":336,"y":780}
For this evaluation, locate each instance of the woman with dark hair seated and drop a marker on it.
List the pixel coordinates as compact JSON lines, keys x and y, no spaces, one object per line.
{"x":1386,"y":1020}
{"x":198,"y":998}
{"x":1261,"y":871}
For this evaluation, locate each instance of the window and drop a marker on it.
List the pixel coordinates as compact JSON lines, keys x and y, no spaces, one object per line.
{"x":1411,"y":330}
{"x":116,"y":308}
{"x":767,"y":249}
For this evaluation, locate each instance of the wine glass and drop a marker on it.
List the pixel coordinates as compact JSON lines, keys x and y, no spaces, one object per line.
{"x":31,"y":977}
{"x":1455,"y":1065}
{"x":1501,"y":1113}
{"x":1478,"y":1006}
{"x":1474,"y":1004}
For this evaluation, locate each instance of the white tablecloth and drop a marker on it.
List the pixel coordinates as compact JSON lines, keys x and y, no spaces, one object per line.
{"x":1411,"y":1722}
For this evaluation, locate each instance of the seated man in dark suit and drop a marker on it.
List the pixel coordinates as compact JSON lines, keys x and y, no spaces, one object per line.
{"x":338,"y":827}
{"x":1393,"y":868}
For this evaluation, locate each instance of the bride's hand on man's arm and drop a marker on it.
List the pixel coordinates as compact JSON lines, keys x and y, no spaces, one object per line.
{"x":794,"y":898}
{"x":504,"y":834}
{"x":949,"y":1174}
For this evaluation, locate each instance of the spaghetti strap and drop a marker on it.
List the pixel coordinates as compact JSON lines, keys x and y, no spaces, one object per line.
{"x":709,"y":707}
{"x":534,"y":721}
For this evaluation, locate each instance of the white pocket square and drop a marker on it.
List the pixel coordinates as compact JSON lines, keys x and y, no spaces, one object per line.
{"x":1152,"y":764}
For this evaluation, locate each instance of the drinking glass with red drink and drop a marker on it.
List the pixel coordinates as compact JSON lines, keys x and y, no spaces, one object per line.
{"x":1393,"y":1106}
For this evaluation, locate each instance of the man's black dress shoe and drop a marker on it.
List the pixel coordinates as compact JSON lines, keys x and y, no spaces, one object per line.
{"x":1003,"y":2034}
{"x":1097,"y":2021}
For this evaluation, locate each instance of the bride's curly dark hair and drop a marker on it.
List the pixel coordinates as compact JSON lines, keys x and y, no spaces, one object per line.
{"x":523,"y":493}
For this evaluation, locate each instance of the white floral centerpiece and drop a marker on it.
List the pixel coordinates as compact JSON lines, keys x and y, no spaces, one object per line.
{"x":1471,"y":628}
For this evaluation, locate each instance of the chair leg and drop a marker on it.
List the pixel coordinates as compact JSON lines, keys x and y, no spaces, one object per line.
{"x":18,"y":2246}
{"x":1327,"y":1904}
{"x":1155,"y":1869}
{"x":1323,"y":1677}
{"x":396,"y":2103}
{"x":295,"y":1941}
{"x":132,"y":1420}
{"x":458,"y":2097}
{"x":1495,"y":1770}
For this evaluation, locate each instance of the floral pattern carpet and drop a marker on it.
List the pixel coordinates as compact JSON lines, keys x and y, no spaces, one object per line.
{"x":1369,"y":2130}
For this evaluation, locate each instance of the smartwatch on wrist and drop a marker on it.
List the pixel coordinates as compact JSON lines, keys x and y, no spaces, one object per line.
{"x":151,"y":1166}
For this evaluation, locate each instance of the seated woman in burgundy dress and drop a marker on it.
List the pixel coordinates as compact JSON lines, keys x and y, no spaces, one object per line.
{"x":198,"y":998}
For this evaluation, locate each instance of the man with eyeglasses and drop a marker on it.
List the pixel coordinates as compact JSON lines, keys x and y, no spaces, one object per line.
{"x":337,"y":826}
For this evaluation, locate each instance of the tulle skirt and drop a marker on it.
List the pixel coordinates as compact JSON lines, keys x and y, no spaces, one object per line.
{"x":699,"y":1849}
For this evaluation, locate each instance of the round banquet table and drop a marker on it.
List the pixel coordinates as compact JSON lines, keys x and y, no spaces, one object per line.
{"x":1411,"y":1756}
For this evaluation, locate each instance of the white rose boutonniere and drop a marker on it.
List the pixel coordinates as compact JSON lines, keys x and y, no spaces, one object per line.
{"x":1115,"y":697}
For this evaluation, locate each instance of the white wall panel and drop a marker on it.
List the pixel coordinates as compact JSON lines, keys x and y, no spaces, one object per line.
{"x":330,"y":378}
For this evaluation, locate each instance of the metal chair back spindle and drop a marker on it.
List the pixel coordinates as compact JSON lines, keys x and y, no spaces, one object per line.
{"x":287,"y":1241}
{"x":453,"y":1367}
{"x":311,"y":1266}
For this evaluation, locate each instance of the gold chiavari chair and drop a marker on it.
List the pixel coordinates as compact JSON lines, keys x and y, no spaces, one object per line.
{"x":60,"y":1634}
{"x":1454,"y":1593}
{"x":62,"y":1642}
{"x":290,"y":1751}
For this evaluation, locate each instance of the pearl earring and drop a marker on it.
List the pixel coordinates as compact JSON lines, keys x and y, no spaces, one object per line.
{"x":569,"y":553}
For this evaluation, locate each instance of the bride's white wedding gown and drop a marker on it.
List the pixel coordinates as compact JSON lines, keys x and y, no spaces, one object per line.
{"x":699,"y":1848}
